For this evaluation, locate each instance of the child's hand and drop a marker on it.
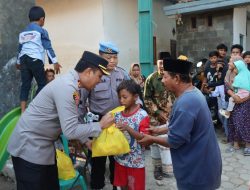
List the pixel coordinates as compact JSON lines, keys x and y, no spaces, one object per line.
{"x":205,"y":85}
{"x":146,"y":140}
{"x":57,"y":68}
{"x":121,"y":126}
{"x":18,"y":66}
{"x":162,"y":117}
{"x":210,"y":90}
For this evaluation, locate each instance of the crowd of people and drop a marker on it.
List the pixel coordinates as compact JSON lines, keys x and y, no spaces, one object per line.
{"x":226,"y":85}
{"x":164,"y":111}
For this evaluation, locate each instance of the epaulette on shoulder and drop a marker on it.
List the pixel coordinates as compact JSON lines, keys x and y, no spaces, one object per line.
{"x":125,"y":73}
{"x":120,"y":68}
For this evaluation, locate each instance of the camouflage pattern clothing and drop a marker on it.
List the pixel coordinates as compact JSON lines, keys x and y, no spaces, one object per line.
{"x":157,"y":98}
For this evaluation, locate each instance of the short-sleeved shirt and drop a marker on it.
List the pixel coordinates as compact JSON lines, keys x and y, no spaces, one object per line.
{"x":194,"y":148}
{"x":209,"y":74}
{"x":104,"y":97}
{"x":134,"y":159}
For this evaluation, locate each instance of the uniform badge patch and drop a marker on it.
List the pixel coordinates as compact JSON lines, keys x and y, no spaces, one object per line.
{"x":76,"y":97}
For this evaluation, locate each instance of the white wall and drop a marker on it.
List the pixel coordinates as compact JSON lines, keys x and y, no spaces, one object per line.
{"x":73,"y":26}
{"x":239,"y":25}
{"x":121,"y":27}
{"x":162,"y":26}
{"x":248,"y":29}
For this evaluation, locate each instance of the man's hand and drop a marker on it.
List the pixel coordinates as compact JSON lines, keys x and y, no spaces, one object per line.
{"x":146,"y":140}
{"x":157,"y":131}
{"x":162,"y":117}
{"x":57,"y":68}
{"x":107,"y":120}
{"x":18,"y":66}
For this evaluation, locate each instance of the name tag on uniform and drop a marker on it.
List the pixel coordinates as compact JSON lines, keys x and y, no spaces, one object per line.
{"x":119,"y":79}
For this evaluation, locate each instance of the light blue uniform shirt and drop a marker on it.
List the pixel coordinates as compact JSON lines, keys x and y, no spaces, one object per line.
{"x":53,"y":111}
{"x":103,"y":98}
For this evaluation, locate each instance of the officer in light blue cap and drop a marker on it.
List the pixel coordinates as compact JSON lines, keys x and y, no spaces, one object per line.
{"x":102,"y":99}
{"x":108,"y":48}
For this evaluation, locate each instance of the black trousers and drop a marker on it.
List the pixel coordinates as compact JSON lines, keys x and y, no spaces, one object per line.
{"x":30,"y":68}
{"x":98,"y":167}
{"x":31,"y":176}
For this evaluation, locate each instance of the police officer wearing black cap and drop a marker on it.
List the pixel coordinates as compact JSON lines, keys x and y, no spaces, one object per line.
{"x":52,"y":112}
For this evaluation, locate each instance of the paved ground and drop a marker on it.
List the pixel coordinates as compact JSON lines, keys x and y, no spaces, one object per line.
{"x":235,"y":176}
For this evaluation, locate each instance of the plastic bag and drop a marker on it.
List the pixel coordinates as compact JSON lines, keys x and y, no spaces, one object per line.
{"x":111,"y":141}
{"x":64,"y":165}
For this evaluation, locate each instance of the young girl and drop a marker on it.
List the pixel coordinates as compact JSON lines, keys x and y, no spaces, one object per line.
{"x":241,"y":85}
{"x":133,"y":121}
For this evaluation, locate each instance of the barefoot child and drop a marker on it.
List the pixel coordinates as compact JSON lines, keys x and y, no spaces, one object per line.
{"x":130,"y":168}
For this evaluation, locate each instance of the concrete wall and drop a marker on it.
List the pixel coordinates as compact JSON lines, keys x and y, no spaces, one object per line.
{"x":121,"y":26}
{"x":197,"y":43}
{"x":73,"y":26}
{"x":163,"y":26}
{"x":248,"y":35}
{"x":13,"y":18}
{"x":239,"y":25}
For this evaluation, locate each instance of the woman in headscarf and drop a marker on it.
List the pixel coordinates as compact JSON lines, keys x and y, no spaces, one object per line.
{"x":239,"y":120}
{"x":135,"y":74}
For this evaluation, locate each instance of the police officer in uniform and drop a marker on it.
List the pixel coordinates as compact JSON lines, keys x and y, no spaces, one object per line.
{"x":53,"y":111}
{"x":102,"y":99}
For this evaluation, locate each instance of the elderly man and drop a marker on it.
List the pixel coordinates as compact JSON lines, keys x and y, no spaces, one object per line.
{"x":194,"y":148}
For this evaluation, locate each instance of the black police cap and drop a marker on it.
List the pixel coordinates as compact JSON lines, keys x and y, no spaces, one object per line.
{"x":92,"y":59}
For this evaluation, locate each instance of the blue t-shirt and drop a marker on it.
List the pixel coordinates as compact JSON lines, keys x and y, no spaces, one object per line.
{"x":194,"y":148}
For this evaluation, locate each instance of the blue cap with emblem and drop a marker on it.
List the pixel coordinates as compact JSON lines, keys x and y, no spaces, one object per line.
{"x":108,"y":48}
